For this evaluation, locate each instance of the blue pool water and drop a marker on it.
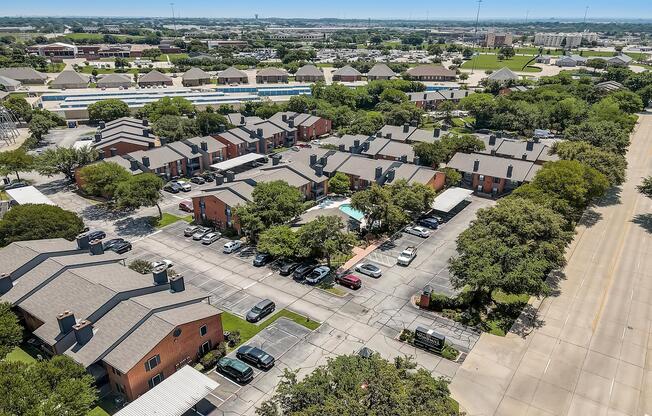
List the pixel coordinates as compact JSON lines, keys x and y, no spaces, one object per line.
{"x":353,"y":213}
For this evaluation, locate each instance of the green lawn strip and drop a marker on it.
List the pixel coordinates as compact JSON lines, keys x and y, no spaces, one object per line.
{"x":19,"y":354}
{"x":168,"y":219}
{"x":483,"y":62}
{"x":97,"y":411}
{"x":248,"y":330}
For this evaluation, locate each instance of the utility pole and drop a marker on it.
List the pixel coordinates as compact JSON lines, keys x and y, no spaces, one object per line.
{"x":475,"y":37}
{"x":527,"y":14}
{"x":174,"y":22}
{"x":586,"y":11}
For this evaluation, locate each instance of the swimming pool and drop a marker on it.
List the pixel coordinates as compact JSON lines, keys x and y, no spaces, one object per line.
{"x":351,"y":212}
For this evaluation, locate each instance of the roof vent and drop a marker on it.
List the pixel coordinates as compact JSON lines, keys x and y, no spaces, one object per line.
{"x":5,"y":283}
{"x":510,"y":170}
{"x":177,"y":284}
{"x":83,"y":332}
{"x":160,"y":274}
{"x":66,"y":321}
{"x":476,"y":165}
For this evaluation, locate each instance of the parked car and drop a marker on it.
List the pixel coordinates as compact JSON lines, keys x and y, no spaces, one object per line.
{"x":429,"y":222}
{"x":262,"y":259}
{"x":210,"y":238}
{"x":255,"y":356}
{"x":418,"y":231}
{"x":232,"y":246}
{"x":260,"y":310}
{"x":95,"y":235}
{"x":304,"y":269}
{"x":200,"y":233}
{"x":287,"y":267}
{"x":164,"y":262}
{"x":208,"y":176}
{"x":198,"y":180}
{"x":318,"y":274}
{"x":108,"y":244}
{"x":190,"y":230}
{"x":235,"y":369}
{"x":369,"y":269}
{"x":186,"y":205}
{"x":349,"y":280}
{"x":172,"y":187}
{"x":121,"y":247}
{"x":407,"y":256}
{"x":185,"y":185}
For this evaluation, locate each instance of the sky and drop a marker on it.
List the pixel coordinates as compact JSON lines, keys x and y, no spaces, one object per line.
{"x":345,"y":9}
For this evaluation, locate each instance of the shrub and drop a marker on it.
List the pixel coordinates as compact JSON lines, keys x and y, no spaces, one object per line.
{"x":209,"y":359}
{"x":449,"y":353}
{"x":233,"y":338}
{"x":406,"y":335}
{"x":141,"y":266}
{"x":440,"y":302}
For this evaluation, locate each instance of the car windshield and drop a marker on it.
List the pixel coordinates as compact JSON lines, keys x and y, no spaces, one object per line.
{"x":256,"y":309}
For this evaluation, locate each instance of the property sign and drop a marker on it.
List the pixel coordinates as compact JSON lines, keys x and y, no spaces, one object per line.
{"x":429,"y":339}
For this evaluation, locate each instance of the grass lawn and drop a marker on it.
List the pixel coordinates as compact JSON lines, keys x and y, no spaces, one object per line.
{"x":174,"y":57}
{"x":97,"y":411}
{"x":248,"y":330}
{"x":484,"y":62}
{"x":168,"y":219}
{"x":19,"y":354}
{"x":55,"y":67}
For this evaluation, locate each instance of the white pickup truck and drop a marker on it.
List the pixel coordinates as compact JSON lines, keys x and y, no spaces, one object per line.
{"x":407,"y":255}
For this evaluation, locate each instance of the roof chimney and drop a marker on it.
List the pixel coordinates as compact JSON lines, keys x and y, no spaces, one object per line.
{"x":96,"y":248}
{"x":150,"y":145}
{"x":291,"y":123}
{"x":160,"y":274}
{"x":524,"y":156}
{"x":406,"y":127}
{"x":177,"y":284}
{"x":219,"y":179}
{"x":5,"y":283}
{"x":230,"y":176}
{"x":529,"y":146}
{"x":66,"y":321}
{"x":476,"y":165}
{"x":82,"y":241}
{"x":113,"y":151}
{"x":436,"y":132}
{"x":284,"y":117}
{"x":276,"y":159}
{"x":98,"y":137}
{"x":221,"y":128}
{"x":425,"y":95}
{"x":510,"y":169}
{"x":204,"y":146}
{"x":389,"y":136}
{"x":341,"y":147}
{"x":319,"y":169}
{"x":390,"y":175}
{"x":102,"y":124}
{"x":133,"y":164}
{"x":356,"y":143}
{"x":259,"y":132}
{"x":145,"y":133}
{"x":194,"y":149}
{"x":313,"y":159}
{"x":100,"y":154}
{"x":242,"y":119}
{"x":145,"y":122}
{"x":83,"y":332}
{"x":378,"y":172}
{"x":452,"y":94}
{"x":404,"y":158}
{"x":492,"y":140}
{"x":323,"y":160}
{"x":416,"y":160}
{"x":146,"y":161}
{"x":379,"y":134}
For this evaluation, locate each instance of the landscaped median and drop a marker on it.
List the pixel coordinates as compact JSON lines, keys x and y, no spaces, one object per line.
{"x":168,"y":219}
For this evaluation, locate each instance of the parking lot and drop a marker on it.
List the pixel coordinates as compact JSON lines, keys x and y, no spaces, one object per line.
{"x":371,"y":316}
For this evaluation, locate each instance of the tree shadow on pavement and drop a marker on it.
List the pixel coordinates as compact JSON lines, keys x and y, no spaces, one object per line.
{"x":590,"y":218}
{"x":55,"y":186}
{"x":104,"y":212}
{"x":612,"y":197}
{"x":134,"y":226}
{"x":644,"y":221}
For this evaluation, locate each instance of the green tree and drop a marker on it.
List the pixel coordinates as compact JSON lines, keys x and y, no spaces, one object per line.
{"x":606,"y":135}
{"x":414,"y":199}
{"x":481,"y":106}
{"x":102,"y":179}
{"x":16,"y":161}
{"x":394,"y":96}
{"x":166,"y":106}
{"x":380,"y":212}
{"x":108,"y":110}
{"x":65,"y":160}
{"x":628,"y":101}
{"x":280,"y":241}
{"x":339,"y":184}
{"x":142,"y":190}
{"x":11,"y":333}
{"x":430,"y":154}
{"x":18,"y":106}
{"x":323,"y":238}
{"x":209,"y":122}
{"x":40,"y":125}
{"x":273,"y":203}
{"x":38,"y":221}
{"x":465,"y":143}
{"x":50,"y":387}
{"x":611,"y":165}
{"x":175,"y":127}
{"x":596,"y":63}
{"x":352,"y":385}
{"x":453,"y":177}
{"x":646,"y":187}
{"x":510,"y":247}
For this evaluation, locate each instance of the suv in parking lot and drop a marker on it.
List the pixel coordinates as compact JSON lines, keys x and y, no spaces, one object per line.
{"x":200,"y":233}
{"x":210,"y":238}
{"x":429,"y":222}
{"x":262,"y":259}
{"x":304,"y":269}
{"x":173,"y":187}
{"x":186,"y":205}
{"x":287,"y":267}
{"x":232,"y":246}
{"x":260,"y":310}
{"x":190,"y":230}
{"x":255,"y":356}
{"x":185,"y":186}
{"x":235,"y":369}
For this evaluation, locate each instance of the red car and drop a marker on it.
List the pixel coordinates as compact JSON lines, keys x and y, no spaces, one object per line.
{"x":350,"y":280}
{"x":186,"y":205}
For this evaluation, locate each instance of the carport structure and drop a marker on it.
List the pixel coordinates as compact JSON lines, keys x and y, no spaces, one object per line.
{"x":174,"y":396}
{"x":237,"y":162}
{"x":450,"y":198}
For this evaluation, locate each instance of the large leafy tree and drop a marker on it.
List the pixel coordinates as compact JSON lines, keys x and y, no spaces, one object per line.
{"x":108,"y":110}
{"x":628,"y":101}
{"x":339,"y":184}
{"x":11,"y":333}
{"x":64,"y":160}
{"x":481,"y":106}
{"x":273,"y":203}
{"x":208,"y":122}
{"x":326,"y":237}
{"x":380,"y":212}
{"x":166,"y":106}
{"x":510,"y":247}
{"x":612,"y":165}
{"x":280,"y":241}
{"x":16,"y":161}
{"x":38,"y":221}
{"x":142,"y":190}
{"x":606,"y":135}
{"x":50,"y":387}
{"x":175,"y":127}
{"x":40,"y":125}
{"x":356,"y":386}
{"x":413,"y":199}
{"x":18,"y":106}
{"x":102,"y":179}
{"x":430,"y":154}
{"x":646,"y":187}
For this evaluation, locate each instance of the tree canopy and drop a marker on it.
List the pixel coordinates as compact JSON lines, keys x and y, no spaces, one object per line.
{"x":16,"y":161}
{"x":175,"y":128}
{"x":611,"y":165}
{"x":356,"y":386}
{"x":102,"y":179}
{"x":11,"y":333}
{"x":325,"y":237}
{"x":339,"y":183}
{"x":279,"y":241}
{"x":64,"y":160}
{"x":142,"y":190}
{"x":38,"y":221}
{"x":166,"y":106}
{"x":108,"y":110}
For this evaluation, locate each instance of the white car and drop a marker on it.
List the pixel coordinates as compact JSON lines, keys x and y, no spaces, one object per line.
{"x":184,"y":185}
{"x":165,"y":262}
{"x":369,"y":269}
{"x":232,"y":246}
{"x":419,"y":231}
{"x":407,"y":256}
{"x":318,"y":274}
{"x":210,"y":238}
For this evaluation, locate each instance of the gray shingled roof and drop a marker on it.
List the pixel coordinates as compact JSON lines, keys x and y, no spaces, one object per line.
{"x":232,"y":72}
{"x":23,"y":74}
{"x":9,"y":82}
{"x":154,"y":76}
{"x":70,"y":77}
{"x":212,"y":144}
{"x":271,"y":71}
{"x":346,"y":71}
{"x":110,"y":80}
{"x":503,"y":74}
{"x":309,"y":70}
{"x":381,"y":70}
{"x":158,"y":157}
{"x":195,"y":74}
{"x":430,"y":70}
{"x":494,"y":166}
{"x":16,"y":254}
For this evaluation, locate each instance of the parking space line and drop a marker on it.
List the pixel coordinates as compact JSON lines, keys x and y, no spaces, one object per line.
{"x":218,"y":398}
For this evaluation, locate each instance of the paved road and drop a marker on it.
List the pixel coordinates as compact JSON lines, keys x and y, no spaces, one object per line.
{"x":591,"y":354}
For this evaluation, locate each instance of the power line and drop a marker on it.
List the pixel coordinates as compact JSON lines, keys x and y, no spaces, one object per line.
{"x":475,"y":36}
{"x":174,"y":21}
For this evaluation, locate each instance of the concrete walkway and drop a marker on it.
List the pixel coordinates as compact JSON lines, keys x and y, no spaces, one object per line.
{"x":590,"y":353}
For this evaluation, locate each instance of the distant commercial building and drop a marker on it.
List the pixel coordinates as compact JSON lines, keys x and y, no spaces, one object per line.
{"x":569,"y":40}
{"x":25,"y":75}
{"x":380,"y":71}
{"x":54,"y":50}
{"x":549,"y":40}
{"x":493,"y":39}
{"x":226,"y":44}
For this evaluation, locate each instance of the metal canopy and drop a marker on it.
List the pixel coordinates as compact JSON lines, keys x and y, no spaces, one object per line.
{"x":237,"y":161}
{"x":173,"y":396}
{"x":28,"y":195}
{"x":450,"y":198}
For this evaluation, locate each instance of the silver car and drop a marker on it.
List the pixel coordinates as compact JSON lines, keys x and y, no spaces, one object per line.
{"x":369,"y":269}
{"x":210,"y":238}
{"x":318,"y":274}
{"x":200,"y":233}
{"x":418,"y":231}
